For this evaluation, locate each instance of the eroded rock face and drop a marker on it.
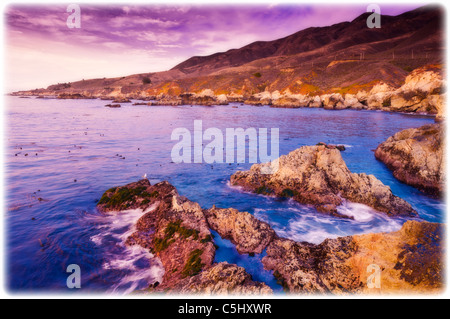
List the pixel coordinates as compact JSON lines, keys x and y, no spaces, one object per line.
{"x":421,"y":92}
{"x":222,"y":279}
{"x":309,"y":268}
{"x":410,"y":261}
{"x":318,"y":175}
{"x":416,"y":157}
{"x":250,"y":235}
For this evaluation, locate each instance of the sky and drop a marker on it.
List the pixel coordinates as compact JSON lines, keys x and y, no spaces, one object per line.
{"x":119,"y":40}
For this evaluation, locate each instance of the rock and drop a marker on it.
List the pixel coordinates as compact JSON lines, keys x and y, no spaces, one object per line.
{"x":421,"y":92}
{"x":424,"y":79}
{"x":222,"y":279}
{"x":410,"y":261}
{"x":362,"y":96}
{"x":74,"y":96}
{"x":262,"y":98}
{"x":439,"y":104}
{"x":318,"y":175}
{"x":333,"y":101}
{"x":177,"y":232}
{"x":309,"y":268}
{"x":234,"y":97}
{"x":130,"y":196}
{"x":244,"y":230}
{"x":289,"y":100}
{"x":315,"y":102}
{"x":113,"y":105}
{"x":205,"y":97}
{"x":416,"y":157}
{"x":380,"y":96}
{"x":352,"y":101}
{"x":172,"y":227}
{"x":121,"y":99}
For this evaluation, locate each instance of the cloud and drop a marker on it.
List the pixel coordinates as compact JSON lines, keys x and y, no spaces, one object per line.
{"x":117,"y":40}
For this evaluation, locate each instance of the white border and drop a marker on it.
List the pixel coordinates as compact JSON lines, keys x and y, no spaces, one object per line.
{"x":5,"y":294}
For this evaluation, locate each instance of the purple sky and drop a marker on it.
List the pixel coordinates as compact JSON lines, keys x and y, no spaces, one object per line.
{"x":117,"y":40}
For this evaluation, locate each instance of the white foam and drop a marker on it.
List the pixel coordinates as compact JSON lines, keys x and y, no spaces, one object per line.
{"x":129,"y":256}
{"x":359,"y":212}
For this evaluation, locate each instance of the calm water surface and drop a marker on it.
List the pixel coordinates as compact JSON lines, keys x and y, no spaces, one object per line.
{"x":61,"y":155}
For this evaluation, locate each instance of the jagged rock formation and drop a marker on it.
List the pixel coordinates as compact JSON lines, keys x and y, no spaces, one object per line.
{"x":318,"y":175}
{"x":416,"y":157}
{"x":250,"y":235}
{"x":410,"y":261}
{"x":176,"y":230}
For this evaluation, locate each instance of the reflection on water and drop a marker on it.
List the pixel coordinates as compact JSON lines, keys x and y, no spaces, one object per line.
{"x":61,"y":155}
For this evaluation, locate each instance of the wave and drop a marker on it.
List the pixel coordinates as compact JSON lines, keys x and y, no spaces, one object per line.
{"x":303,"y":223}
{"x":134,"y":267}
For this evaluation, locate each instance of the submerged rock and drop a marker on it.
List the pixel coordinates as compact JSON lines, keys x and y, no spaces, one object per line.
{"x":318,"y":175}
{"x":409,"y":260}
{"x":416,"y":157}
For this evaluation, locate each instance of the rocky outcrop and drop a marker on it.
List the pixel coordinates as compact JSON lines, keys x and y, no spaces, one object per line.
{"x":250,"y":235}
{"x":421,"y":92}
{"x":333,"y":101}
{"x":222,"y":279}
{"x":380,"y":96}
{"x":205,"y":97}
{"x":409,"y":261}
{"x":416,"y":157}
{"x":176,"y":230}
{"x":318,"y":175}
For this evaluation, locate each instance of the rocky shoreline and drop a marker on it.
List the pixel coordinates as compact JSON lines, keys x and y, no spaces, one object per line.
{"x":423,"y":92}
{"x":177,"y":231}
{"x":416,"y":157}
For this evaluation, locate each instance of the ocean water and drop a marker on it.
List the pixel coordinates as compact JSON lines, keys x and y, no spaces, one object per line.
{"x":61,"y":155}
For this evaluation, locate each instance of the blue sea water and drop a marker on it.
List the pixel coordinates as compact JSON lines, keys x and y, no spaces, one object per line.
{"x":61,"y":155}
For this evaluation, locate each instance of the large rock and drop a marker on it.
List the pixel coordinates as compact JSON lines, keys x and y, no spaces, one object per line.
{"x":421,"y":92}
{"x":222,"y":279}
{"x":333,"y":101}
{"x":351,"y":101}
{"x":249,"y":234}
{"x":173,"y":228}
{"x":416,"y":157}
{"x":409,"y":260}
{"x":318,"y":175}
{"x":380,"y":96}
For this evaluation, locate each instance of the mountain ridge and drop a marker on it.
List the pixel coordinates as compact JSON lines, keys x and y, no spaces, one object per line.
{"x":345,"y":57}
